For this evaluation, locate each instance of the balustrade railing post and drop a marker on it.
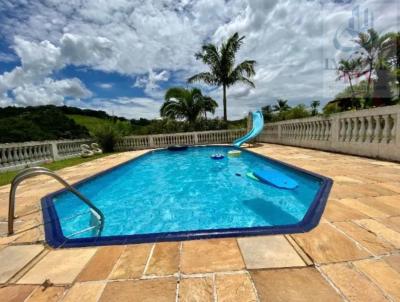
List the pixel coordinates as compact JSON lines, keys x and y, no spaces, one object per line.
{"x":151,"y":141}
{"x":335,"y":129}
{"x":279,"y":131}
{"x":196,"y":138}
{"x":54,"y":151}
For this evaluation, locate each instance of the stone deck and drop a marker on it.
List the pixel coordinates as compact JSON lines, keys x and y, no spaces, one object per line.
{"x":353,"y":255}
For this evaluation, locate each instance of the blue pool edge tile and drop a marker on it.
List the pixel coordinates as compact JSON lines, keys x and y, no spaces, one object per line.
{"x":55,"y":238}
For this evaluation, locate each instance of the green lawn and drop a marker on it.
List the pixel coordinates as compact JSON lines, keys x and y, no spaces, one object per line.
{"x":6,"y":177}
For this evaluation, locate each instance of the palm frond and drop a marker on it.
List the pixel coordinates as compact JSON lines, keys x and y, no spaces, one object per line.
{"x":176,"y":93}
{"x":234,"y":42}
{"x":209,"y":55}
{"x":206,"y":77}
{"x":241,"y":73}
{"x":246,"y":68}
{"x":186,"y":104}
{"x":228,"y":52}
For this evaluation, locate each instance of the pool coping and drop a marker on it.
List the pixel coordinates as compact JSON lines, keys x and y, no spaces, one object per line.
{"x":55,"y":238}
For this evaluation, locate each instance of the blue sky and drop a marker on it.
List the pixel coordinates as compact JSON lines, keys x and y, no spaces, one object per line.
{"x":120,"y":56}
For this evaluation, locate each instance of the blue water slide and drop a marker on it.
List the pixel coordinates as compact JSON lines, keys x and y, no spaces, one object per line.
{"x":258,"y":126}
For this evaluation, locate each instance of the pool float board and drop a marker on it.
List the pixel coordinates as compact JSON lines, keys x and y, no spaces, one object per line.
{"x":276,"y":178}
{"x":252,"y":176}
{"x":234,"y":153}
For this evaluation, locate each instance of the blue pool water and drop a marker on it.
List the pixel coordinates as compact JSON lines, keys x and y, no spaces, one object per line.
{"x":166,"y":191}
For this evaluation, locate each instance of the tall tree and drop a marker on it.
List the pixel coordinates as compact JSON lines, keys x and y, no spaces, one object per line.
{"x":186,"y":104}
{"x":372,"y":53}
{"x":386,"y":69}
{"x":223,"y":72}
{"x":314,"y":107}
{"x":281,"y":106}
{"x":350,"y":69}
{"x":209,"y":105}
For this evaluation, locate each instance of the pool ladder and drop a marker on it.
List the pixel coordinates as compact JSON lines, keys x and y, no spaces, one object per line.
{"x":34,"y":171}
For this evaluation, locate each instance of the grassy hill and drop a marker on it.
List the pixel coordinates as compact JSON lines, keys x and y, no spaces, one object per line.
{"x":19,"y":124}
{"x":91,"y":122}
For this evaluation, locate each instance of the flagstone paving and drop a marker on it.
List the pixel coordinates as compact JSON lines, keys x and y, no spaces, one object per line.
{"x":164,"y":260}
{"x":268,"y":252}
{"x":294,"y":284}
{"x":14,"y":258}
{"x":196,"y":289}
{"x":352,"y":255}
{"x":353,"y":284}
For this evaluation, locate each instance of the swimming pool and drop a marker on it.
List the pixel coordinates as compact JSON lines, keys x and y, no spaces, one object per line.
{"x":168,"y":195}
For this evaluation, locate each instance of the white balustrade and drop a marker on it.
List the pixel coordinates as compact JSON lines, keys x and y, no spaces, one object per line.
{"x":372,"y":132}
{"x":15,"y":156}
{"x":186,"y":138}
{"x":19,"y":155}
{"x":70,"y":148}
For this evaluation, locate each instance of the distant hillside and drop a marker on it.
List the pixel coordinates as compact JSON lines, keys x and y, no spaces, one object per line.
{"x":36,"y":124}
{"x":19,"y":124}
{"x":91,"y":122}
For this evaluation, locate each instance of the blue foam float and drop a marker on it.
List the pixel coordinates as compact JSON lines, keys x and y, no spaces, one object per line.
{"x":276,"y":178}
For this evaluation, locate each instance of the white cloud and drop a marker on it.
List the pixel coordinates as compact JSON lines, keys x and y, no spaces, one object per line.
{"x":31,"y":83}
{"x":105,"y":85}
{"x":154,"y":42}
{"x":39,"y":58}
{"x":87,"y":50}
{"x":49,"y":92}
{"x":150,"y":82}
{"x":124,"y":106}
{"x":8,"y":57}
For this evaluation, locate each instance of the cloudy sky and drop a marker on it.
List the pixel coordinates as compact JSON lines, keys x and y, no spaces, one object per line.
{"x":120,"y":56}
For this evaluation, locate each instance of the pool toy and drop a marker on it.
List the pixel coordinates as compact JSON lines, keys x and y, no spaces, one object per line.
{"x":217,"y":156}
{"x":95,"y":148}
{"x":258,"y":126}
{"x":276,"y":178}
{"x":252,"y":176}
{"x":85,"y":151}
{"x":234,"y":153}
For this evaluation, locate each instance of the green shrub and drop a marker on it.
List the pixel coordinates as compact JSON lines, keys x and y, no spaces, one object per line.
{"x":299,"y":111}
{"x":107,"y":135}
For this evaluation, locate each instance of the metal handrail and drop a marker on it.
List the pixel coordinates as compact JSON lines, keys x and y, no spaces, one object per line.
{"x":34,"y":171}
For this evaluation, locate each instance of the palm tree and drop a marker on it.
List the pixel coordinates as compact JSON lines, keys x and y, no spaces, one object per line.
{"x":350,"y":69}
{"x":209,"y":105}
{"x":372,"y":50}
{"x":314,"y":107}
{"x":223,"y":71}
{"x":186,"y":104}
{"x":281,"y":106}
{"x":267,"y":113}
